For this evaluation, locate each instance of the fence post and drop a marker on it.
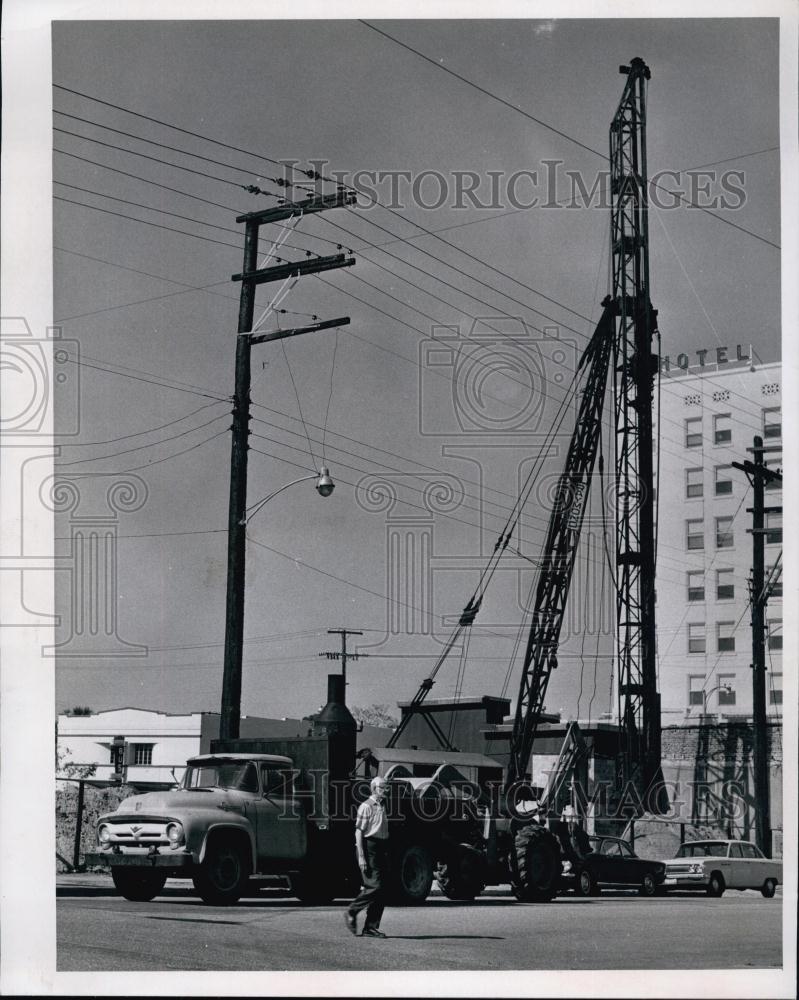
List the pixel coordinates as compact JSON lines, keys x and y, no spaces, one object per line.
{"x":632,"y":834}
{"x":682,"y":833}
{"x":78,"y":827}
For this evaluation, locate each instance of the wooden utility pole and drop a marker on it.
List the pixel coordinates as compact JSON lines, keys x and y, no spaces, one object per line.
{"x":250,"y":277}
{"x":758,"y":474}
{"x":343,"y":655}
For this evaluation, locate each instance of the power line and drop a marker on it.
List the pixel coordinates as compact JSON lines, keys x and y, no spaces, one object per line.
{"x":564,"y":135}
{"x":150,"y":430}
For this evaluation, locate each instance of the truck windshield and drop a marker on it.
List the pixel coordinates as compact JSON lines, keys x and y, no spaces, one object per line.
{"x":708,"y":849}
{"x":223,"y":775}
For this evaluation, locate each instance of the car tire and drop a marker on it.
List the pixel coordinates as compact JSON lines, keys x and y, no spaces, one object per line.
{"x":716,"y":886}
{"x":139,"y":885}
{"x":411,"y":875}
{"x":648,"y":885}
{"x":223,"y":873}
{"x":586,"y":884}
{"x":769,"y":887}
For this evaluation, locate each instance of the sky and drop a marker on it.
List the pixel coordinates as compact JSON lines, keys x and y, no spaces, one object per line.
{"x":150,"y":315}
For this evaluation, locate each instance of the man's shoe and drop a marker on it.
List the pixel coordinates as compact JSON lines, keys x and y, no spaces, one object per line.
{"x":349,"y":920}
{"x":372,"y":932}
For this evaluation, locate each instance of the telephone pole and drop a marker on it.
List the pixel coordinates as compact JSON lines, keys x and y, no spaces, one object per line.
{"x":250,"y":277}
{"x":343,"y":655}
{"x":758,"y":475}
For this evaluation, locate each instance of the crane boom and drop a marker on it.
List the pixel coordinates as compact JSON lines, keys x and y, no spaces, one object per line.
{"x":560,"y":547}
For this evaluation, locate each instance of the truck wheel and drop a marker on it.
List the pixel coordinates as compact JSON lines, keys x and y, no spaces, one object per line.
{"x":769,"y":888}
{"x":716,"y":886}
{"x":138,"y":884}
{"x":586,"y":884}
{"x":537,"y":866}
{"x":412,"y":875}
{"x":648,"y":886}
{"x":221,"y":877}
{"x":461,"y":876}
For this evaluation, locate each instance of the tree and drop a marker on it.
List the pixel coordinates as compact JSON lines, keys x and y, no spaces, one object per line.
{"x":375,"y":715}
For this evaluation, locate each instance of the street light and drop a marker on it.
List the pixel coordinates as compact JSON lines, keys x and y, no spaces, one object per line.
{"x":324,"y":487}
{"x":706,"y":695}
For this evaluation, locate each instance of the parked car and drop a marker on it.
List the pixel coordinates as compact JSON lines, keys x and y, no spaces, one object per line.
{"x":612,"y":863}
{"x":716,"y":865}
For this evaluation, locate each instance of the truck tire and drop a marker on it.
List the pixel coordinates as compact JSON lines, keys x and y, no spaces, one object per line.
{"x":716,"y":886}
{"x":411,"y":875}
{"x":223,"y":873}
{"x":461,"y":876}
{"x":769,"y":887}
{"x":140,"y":885}
{"x":537,"y":865}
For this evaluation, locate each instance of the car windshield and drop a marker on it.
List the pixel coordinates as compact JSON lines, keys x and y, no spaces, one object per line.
{"x":705,"y":849}
{"x":221,"y":775}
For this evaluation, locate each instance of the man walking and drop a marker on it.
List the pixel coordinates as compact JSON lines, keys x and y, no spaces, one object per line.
{"x":371,"y":845}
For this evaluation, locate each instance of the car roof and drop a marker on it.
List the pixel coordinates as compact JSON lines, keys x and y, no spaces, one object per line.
{"x":238,"y":758}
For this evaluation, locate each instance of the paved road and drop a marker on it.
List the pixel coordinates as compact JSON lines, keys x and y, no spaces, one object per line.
{"x":98,"y":931}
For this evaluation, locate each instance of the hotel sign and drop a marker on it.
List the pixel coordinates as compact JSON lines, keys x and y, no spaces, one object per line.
{"x":719,"y":356}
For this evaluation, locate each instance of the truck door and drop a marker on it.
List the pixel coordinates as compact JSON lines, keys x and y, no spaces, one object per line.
{"x":280,"y":821}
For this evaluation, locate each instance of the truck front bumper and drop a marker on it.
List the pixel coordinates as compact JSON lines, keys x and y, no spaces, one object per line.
{"x":112,"y":859}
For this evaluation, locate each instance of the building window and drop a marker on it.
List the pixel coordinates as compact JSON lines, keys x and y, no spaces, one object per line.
{"x":694,"y":533}
{"x":725,"y":637}
{"x":696,"y":637}
{"x":722,"y":428}
{"x":775,"y":689}
{"x":726,"y":691}
{"x":724,"y":536}
{"x":142,"y":753}
{"x":693,"y":483}
{"x":725,"y":585}
{"x":776,"y":581}
{"x":775,"y":633}
{"x":696,"y":692}
{"x":696,"y":585}
{"x":772,"y":422}
{"x":773,"y":528}
{"x":693,"y":432}
{"x":773,"y":462}
{"x":723,"y":480}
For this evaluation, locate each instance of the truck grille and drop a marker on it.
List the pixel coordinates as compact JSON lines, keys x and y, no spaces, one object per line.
{"x":137,"y":834}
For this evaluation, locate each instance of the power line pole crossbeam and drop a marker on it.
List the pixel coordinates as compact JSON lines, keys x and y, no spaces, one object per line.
{"x":344,"y":655}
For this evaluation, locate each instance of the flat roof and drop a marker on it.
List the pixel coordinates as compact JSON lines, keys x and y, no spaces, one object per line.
{"x":479,"y":699}
{"x":401,"y":756}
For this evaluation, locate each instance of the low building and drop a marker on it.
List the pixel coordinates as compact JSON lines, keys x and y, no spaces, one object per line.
{"x":148,"y":749}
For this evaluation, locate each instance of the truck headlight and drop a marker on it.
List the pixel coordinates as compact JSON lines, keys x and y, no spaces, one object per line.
{"x":104,"y":834}
{"x":174,"y":833}
{"x":696,"y":869}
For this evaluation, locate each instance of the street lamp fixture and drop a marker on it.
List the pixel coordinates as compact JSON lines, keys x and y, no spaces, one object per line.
{"x":706,"y":694}
{"x":324,"y":487}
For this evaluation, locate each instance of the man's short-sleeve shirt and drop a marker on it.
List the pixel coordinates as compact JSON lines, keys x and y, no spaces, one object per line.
{"x":372,"y":820}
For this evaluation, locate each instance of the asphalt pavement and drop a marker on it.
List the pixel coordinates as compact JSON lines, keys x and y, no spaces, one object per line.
{"x":100,"y":931}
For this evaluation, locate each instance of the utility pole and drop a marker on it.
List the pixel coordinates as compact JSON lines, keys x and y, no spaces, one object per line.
{"x":758,"y":474}
{"x":343,"y":655}
{"x":250,"y":277}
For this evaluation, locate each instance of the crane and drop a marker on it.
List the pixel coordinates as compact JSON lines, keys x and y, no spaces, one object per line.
{"x":516,"y":846}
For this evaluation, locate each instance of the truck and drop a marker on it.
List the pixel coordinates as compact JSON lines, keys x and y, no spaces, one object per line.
{"x":285,"y":808}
